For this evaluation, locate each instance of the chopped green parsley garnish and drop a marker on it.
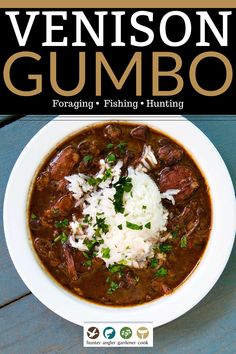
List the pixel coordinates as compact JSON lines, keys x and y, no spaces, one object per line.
{"x":101,"y":226}
{"x":148,"y":225}
{"x":144,"y":207}
{"x":122,"y":146}
{"x":161,"y":272}
{"x":88,"y":263}
{"x":107,"y":174}
{"x":87,"y":219}
{"x":92,"y":181}
{"x":183,"y":242}
{"x":62,"y":237}
{"x":111,"y":158}
{"x":115,"y":268}
{"x":87,"y":158}
{"x":132,"y":226}
{"x":164,"y":247}
{"x":110,"y":146}
{"x":175,"y":233}
{"x":90,"y":243}
{"x":123,"y":262}
{"x":153,"y":262}
{"x":113,"y":287}
{"x":106,"y":252}
{"x":120,"y":226}
{"x":123,"y":185}
{"x":33,"y":216}
{"x":61,"y":224}
{"x":86,"y":255}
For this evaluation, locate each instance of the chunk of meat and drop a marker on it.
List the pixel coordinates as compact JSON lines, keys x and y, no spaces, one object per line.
{"x":166,"y":289}
{"x":112,"y":132}
{"x":148,"y":160}
{"x":69,"y":262}
{"x":88,"y":147}
{"x":61,"y":185}
{"x":178,"y":177}
{"x":64,"y":163}
{"x":46,"y":250}
{"x":141,"y":132}
{"x":128,"y":279}
{"x":128,"y":160}
{"x":89,"y":167}
{"x":61,"y":208}
{"x":40,"y":224}
{"x":170,"y":154}
{"x":187,"y":220}
{"x":155,"y":284}
{"x":163,"y":141}
{"x":42,"y":180}
{"x":35,"y":224}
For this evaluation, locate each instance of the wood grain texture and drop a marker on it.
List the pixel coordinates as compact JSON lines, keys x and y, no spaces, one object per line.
{"x":222,"y":134}
{"x":27,"y":326}
{"x":13,"y":138}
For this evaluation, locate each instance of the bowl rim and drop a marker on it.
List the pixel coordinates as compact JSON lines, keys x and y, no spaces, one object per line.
{"x":185,"y":296}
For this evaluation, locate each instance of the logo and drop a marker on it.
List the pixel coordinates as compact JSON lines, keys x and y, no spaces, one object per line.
{"x":109,"y":332}
{"x":142,"y":332}
{"x":125,"y":332}
{"x":93,"y":332}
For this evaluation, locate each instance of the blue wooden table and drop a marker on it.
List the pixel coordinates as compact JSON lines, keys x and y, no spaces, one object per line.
{"x":28,"y":327}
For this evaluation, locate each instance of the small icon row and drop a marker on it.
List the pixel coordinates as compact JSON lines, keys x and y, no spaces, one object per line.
{"x":125,"y":332}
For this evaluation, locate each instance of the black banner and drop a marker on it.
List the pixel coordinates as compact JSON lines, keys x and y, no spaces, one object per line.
{"x":205,"y":80}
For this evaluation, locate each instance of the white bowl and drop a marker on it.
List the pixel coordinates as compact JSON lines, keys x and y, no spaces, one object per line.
{"x":159,"y":311}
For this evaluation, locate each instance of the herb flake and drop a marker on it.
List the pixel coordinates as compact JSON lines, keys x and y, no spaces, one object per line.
{"x":61,"y":224}
{"x":90,"y":243}
{"x":106,"y":252}
{"x":132,"y":226}
{"x":183,"y":242}
{"x":153,"y":262}
{"x":88,"y":263}
{"x":122,"y":146}
{"x":123,"y":185}
{"x":109,"y":146}
{"x":148,"y":225}
{"x":161,"y":272}
{"x":62,"y":237}
{"x":113,"y":287}
{"x":87,"y":158}
{"x":116,"y":268}
{"x":111,"y":158}
{"x":164,"y":247}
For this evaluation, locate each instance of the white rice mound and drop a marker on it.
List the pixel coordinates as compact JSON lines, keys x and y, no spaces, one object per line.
{"x":142,"y":207}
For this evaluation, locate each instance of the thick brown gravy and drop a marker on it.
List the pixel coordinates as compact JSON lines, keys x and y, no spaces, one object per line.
{"x":52,"y":207}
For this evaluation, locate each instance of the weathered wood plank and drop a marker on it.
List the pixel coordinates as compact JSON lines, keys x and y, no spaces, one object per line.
{"x":13,"y":138}
{"x":28,"y":327}
{"x":222,"y":133}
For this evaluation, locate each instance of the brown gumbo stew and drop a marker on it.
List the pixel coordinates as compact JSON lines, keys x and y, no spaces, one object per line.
{"x":88,"y":183}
